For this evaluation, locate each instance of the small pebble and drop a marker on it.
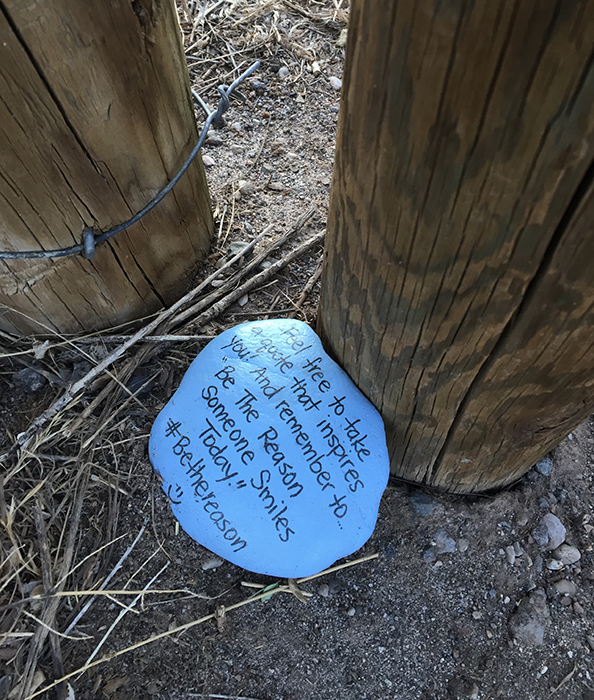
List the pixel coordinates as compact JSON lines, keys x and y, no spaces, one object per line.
{"x":207,"y":160}
{"x":578,"y":609}
{"x":550,"y":532}
{"x":477,"y":615}
{"x":555,"y":565}
{"x":389,"y":551}
{"x":463,"y":544}
{"x":335,"y":82}
{"x":518,"y":551}
{"x":544,"y":466}
{"x":567,"y":554}
{"x":214,"y":140}
{"x":324,"y":590}
{"x":565,"y":587}
{"x":510,"y":555}
{"x":246,"y":187}
{"x":283,"y":72}
{"x":565,"y":601}
{"x":242,"y":301}
{"x":351,"y":612}
{"x":213,"y":563}
{"x":315,"y":68}
{"x":429,"y":555}
{"x":152,"y":688}
{"x":258,"y":87}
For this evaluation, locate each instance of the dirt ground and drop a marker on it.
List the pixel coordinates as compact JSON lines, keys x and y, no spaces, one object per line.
{"x":465,"y":598}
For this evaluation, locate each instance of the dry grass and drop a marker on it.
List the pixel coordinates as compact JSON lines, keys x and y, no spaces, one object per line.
{"x":63,"y":478}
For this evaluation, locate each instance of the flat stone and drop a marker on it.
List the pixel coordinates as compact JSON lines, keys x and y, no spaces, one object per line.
{"x":567,"y":554}
{"x":269,"y":454}
{"x":550,"y":532}
{"x":528,"y":623}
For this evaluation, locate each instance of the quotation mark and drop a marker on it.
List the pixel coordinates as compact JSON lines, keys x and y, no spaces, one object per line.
{"x":241,"y":483}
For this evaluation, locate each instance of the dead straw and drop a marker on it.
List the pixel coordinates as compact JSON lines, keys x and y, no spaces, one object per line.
{"x":265,"y":594}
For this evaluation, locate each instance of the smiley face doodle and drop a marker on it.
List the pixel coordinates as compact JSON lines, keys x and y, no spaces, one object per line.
{"x":178,"y":494}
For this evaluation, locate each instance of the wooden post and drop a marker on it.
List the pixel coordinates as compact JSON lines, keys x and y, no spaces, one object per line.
{"x":95,"y":119}
{"x":458,"y":288}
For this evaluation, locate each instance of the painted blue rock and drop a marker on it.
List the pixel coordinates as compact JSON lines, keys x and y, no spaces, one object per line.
{"x":270,"y":455}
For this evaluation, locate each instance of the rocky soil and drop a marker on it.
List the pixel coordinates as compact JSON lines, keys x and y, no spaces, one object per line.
{"x":482,"y":597}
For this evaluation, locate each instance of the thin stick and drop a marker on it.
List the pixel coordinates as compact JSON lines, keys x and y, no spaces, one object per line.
{"x":331,"y":570}
{"x":146,"y":339}
{"x":311,"y":283}
{"x":339,"y":567}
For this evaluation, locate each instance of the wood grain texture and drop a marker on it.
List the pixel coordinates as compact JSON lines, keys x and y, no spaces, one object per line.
{"x":95,"y":119}
{"x":456,"y":290}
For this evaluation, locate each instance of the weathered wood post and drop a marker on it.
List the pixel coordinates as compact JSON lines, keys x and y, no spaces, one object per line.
{"x":458,"y":289}
{"x":95,"y":119}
